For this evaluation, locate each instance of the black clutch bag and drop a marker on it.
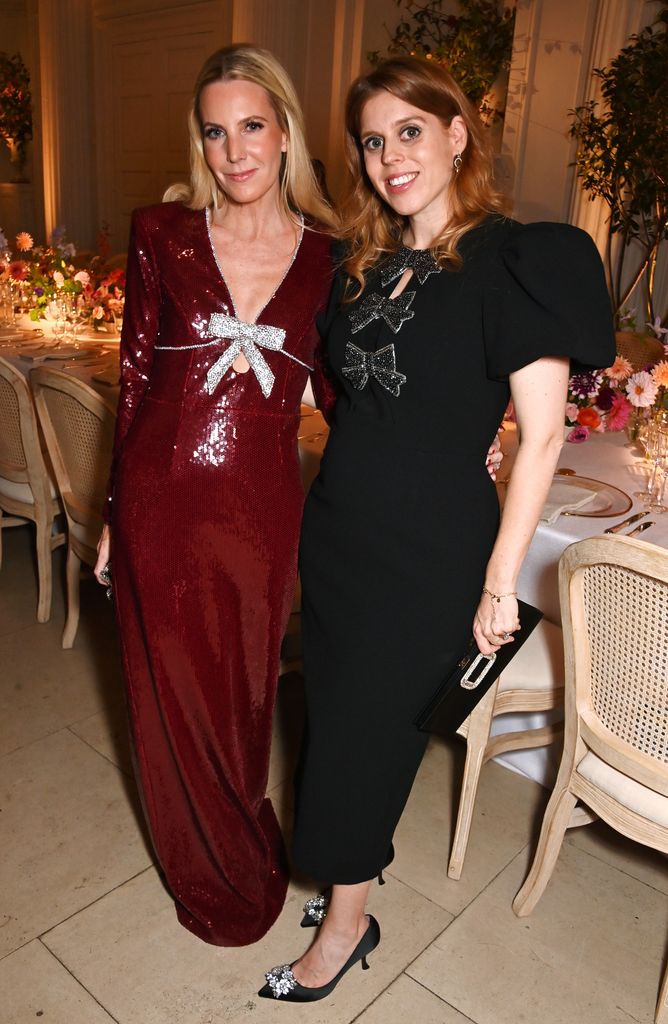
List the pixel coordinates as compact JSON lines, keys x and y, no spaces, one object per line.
{"x":472,"y":677}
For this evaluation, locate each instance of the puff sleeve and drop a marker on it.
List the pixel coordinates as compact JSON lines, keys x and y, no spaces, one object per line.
{"x":546,"y":296}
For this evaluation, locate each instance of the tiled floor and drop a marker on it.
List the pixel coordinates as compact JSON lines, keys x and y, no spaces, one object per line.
{"x":88,"y":934}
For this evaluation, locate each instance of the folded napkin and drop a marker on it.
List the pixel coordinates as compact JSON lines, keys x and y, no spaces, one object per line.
{"x":564,"y":496}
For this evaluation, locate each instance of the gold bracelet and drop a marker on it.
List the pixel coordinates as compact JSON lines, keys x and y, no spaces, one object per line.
{"x":497,"y":597}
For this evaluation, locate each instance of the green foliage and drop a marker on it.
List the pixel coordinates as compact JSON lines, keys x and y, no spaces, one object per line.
{"x":622,"y":154}
{"x":15,"y":101}
{"x":474,"y":46}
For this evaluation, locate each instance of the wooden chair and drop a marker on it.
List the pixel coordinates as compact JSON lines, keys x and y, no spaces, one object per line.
{"x":533,"y":681}
{"x":27,"y":488}
{"x":614,"y":600}
{"x":78,"y":425}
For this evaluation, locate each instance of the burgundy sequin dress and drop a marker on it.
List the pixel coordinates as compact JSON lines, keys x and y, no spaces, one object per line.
{"x":206,"y":509}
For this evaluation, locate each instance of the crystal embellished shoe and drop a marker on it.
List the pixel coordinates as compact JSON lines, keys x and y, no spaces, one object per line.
{"x":282,"y":984}
{"x":315,"y":909}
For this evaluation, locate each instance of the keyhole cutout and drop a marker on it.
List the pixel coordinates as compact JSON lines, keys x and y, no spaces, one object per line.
{"x":402,"y":283}
{"x":241,"y":364}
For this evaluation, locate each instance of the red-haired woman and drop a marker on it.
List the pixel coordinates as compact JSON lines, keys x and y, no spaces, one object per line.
{"x":443,"y":310}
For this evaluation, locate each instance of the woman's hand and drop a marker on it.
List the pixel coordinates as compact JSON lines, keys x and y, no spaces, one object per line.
{"x":495,"y":622}
{"x":494,"y":457}
{"x":103,"y":552}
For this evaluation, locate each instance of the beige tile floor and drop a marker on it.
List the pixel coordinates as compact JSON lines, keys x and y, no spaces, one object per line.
{"x":88,"y":935}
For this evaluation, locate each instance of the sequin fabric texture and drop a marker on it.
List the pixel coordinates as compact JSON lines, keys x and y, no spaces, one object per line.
{"x":206,"y":507}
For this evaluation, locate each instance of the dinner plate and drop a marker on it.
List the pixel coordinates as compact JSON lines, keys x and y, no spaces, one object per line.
{"x":608,"y":500}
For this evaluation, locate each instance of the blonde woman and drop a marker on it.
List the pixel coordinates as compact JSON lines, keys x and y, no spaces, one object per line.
{"x":219,"y":343}
{"x":444,"y":309}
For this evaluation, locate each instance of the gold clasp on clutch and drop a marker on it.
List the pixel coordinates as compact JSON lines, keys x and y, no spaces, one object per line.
{"x":467,"y":683}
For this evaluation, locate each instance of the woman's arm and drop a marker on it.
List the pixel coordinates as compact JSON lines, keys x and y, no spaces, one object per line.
{"x":539,"y":395}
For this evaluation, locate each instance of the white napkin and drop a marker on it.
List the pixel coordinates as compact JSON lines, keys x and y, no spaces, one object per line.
{"x":564,"y":496}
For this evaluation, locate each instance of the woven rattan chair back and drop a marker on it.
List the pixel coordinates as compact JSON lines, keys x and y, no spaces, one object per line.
{"x":79,"y":428}
{"x":27,"y":488}
{"x":21,"y":458}
{"x":615,"y":593}
{"x":78,"y":425}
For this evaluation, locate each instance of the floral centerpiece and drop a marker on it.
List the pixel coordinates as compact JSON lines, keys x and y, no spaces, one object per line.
{"x":43,"y":274}
{"x":618,"y":397}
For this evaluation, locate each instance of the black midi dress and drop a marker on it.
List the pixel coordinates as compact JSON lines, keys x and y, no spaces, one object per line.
{"x":400,"y":523}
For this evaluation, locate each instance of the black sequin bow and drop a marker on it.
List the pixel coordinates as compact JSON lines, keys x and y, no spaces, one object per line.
{"x":420,"y":261}
{"x":393,"y":311}
{"x":380,"y":365}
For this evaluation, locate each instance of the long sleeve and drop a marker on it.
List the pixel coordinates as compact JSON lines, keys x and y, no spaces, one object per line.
{"x":141,"y":322}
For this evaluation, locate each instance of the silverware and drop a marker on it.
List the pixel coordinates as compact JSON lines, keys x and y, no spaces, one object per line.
{"x":639,"y":529}
{"x":626,"y":522}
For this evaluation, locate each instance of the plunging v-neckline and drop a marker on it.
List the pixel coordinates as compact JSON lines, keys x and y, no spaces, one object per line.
{"x":273,"y":295}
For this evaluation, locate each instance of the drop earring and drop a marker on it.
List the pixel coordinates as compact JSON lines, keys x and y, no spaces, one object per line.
{"x":457,"y":162}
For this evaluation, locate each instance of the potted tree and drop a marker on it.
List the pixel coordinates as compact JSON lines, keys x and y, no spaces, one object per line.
{"x":475,"y":46}
{"x":15,"y":110}
{"x":622,"y":158}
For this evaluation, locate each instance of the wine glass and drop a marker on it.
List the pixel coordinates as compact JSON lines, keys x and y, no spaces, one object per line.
{"x":657,"y":483}
{"x":648,"y":435}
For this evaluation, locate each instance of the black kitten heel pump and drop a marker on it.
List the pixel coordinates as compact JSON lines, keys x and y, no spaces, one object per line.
{"x":315,"y":909}
{"x":282,"y":984}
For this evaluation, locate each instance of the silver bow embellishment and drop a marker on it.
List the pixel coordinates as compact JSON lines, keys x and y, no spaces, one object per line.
{"x":244,"y":338}
{"x":393,"y":311}
{"x":380,"y":365}
{"x":420,"y":261}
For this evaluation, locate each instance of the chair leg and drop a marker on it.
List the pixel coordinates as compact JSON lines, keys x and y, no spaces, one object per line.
{"x":479,"y":724}
{"x":555,"y":823}
{"x":73,"y":574}
{"x":44,"y":569}
{"x":661,"y":1016}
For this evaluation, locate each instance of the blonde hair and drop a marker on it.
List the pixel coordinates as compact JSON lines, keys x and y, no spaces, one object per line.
{"x":299,"y":188}
{"x":370,"y":226}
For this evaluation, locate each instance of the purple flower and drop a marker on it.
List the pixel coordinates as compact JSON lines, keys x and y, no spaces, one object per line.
{"x":585,"y":385}
{"x":39,"y":291}
{"x":578,"y":435}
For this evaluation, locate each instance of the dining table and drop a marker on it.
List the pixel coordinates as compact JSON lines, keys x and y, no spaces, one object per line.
{"x":90,"y":355}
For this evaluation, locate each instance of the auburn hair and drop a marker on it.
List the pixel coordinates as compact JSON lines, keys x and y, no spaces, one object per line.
{"x":370,"y":227}
{"x":300,"y":192}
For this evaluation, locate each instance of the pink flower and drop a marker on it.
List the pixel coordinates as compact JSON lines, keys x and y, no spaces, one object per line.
{"x":620,"y":369}
{"x":578,"y":435}
{"x":571,"y":412}
{"x":641,"y":389}
{"x":24,"y":241}
{"x":58,"y":278}
{"x":98,"y":313}
{"x":83,"y":276}
{"x":619,"y":413}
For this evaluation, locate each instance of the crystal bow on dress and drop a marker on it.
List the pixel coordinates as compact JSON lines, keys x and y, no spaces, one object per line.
{"x":380,"y":365}
{"x":420,"y":261}
{"x":393,"y":311}
{"x":246,"y":338}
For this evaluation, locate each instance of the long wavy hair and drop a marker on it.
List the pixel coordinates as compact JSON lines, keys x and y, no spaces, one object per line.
{"x":370,"y":227}
{"x":298,"y":185}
